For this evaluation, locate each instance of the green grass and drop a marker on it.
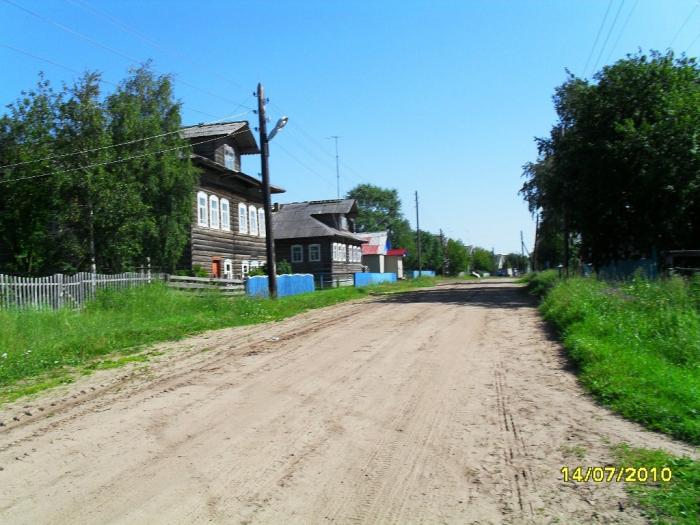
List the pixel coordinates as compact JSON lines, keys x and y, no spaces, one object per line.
{"x":40,"y":349}
{"x":636,"y":344}
{"x":676,"y":502}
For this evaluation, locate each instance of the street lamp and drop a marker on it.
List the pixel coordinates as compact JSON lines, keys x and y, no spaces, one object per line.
{"x":264,"y":154}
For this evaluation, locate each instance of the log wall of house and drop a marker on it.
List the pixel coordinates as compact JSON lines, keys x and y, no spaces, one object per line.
{"x":283,"y":250}
{"x":208,"y":243}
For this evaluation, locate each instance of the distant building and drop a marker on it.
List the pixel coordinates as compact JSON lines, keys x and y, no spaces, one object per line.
{"x":378,"y":256}
{"x":318,"y":237}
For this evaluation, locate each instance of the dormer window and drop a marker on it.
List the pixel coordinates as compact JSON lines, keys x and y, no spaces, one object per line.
{"x":343,"y":222}
{"x":229,"y":157}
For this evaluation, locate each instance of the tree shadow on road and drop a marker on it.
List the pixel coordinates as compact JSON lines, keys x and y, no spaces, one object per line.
{"x":472,"y":294}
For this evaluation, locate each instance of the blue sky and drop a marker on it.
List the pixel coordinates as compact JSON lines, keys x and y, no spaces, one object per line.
{"x":442,"y":97}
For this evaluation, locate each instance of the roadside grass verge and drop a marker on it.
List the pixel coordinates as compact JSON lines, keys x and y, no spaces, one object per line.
{"x":42,"y":349}
{"x":636,"y":344}
{"x":675,"y":502}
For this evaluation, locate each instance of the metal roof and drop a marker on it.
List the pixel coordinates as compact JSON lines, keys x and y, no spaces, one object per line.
{"x":242,"y":135}
{"x":297,"y":220}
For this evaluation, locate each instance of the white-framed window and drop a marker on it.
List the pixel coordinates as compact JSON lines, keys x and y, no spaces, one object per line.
{"x":343,"y":252}
{"x":261,"y":221}
{"x":225,"y":215}
{"x":314,"y":252}
{"x":214,"y":211}
{"x":245,"y":268}
{"x":334,"y":251}
{"x":242,"y":218}
{"x":297,"y":253}
{"x":253,"y":221}
{"x":229,"y":157}
{"x":228,"y":269}
{"x":202,"y":215}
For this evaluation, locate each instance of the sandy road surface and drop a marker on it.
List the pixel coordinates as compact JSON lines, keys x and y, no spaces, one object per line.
{"x":448,"y":405}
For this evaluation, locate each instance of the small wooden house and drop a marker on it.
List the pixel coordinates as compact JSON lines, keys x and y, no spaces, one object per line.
{"x":228,"y":221}
{"x":318,"y":237}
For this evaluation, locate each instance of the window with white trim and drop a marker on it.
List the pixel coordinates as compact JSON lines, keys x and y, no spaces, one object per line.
{"x":242,"y":218}
{"x":297,"y":253}
{"x":261,"y":222}
{"x":214,"y":211}
{"x":202,"y":215}
{"x":314,"y":252}
{"x":253,"y":222}
{"x":245,"y":268}
{"x":343,"y":252}
{"x":225,"y":215}
{"x":229,"y":157}
{"x":335,"y":251}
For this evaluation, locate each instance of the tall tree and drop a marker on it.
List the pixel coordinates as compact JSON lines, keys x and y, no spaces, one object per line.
{"x":621,"y":168}
{"x":156,"y":203}
{"x":28,"y":202}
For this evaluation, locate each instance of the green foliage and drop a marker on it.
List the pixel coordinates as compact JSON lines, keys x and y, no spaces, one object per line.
{"x":37,"y":343}
{"x":676,"y":502}
{"x":540,"y":283}
{"x":637,"y":346}
{"x":259,"y":270}
{"x":127,"y":210}
{"x":284,"y":267}
{"x":457,"y":256}
{"x":379,"y":209}
{"x":482,"y":260}
{"x":621,"y":168}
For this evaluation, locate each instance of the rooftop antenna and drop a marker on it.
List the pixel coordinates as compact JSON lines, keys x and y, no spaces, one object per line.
{"x":337,"y":162}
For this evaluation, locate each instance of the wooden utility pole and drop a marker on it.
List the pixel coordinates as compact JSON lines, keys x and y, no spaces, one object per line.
{"x":269,"y":237}
{"x":420,"y":262}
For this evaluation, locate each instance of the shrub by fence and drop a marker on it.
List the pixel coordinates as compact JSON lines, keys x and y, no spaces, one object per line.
{"x":57,"y":291}
{"x":286,"y":285}
{"x":368,"y":278}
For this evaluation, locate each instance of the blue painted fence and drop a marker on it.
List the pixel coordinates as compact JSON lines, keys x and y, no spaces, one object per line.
{"x":286,"y":285}
{"x":425,"y":273}
{"x":367,"y":278}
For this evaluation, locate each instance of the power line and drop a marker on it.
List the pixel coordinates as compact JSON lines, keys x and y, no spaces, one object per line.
{"x":129,"y":29}
{"x":607,"y":37}
{"x":595,"y":42}
{"x":622,"y":30}
{"x":311,"y":139}
{"x":303,"y":164}
{"x":109,"y":48}
{"x":116,"y":161}
{"x":685,"y":22}
{"x":142,"y":139}
{"x":73,"y":70}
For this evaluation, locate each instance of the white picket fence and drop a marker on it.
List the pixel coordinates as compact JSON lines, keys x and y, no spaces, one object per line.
{"x":57,"y":291}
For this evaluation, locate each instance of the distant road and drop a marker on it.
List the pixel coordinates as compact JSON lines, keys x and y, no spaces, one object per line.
{"x":446,"y":405}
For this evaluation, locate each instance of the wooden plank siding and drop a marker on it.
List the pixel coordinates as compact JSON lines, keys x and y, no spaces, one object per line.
{"x":207,"y":244}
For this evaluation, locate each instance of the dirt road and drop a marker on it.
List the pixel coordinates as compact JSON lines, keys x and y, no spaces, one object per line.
{"x":448,"y":405}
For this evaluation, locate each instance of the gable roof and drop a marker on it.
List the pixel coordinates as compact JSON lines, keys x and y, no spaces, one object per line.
{"x":239,"y":130}
{"x":298,"y":219}
{"x":238,"y":175}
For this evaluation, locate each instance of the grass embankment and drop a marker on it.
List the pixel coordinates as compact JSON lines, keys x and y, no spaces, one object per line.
{"x":39,"y":349}
{"x":637,"y":348}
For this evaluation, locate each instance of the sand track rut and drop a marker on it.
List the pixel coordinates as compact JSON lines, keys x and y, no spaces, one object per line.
{"x":447,"y":405}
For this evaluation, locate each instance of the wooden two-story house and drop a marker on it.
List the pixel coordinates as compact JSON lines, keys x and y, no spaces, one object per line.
{"x":228,"y":221}
{"x":318,"y":237}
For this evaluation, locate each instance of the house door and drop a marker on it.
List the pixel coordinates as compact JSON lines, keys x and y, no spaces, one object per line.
{"x":228,"y":269}
{"x":216,"y":268}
